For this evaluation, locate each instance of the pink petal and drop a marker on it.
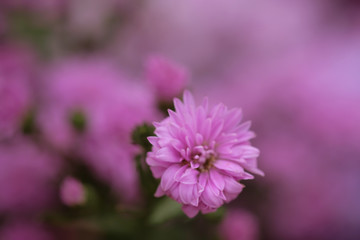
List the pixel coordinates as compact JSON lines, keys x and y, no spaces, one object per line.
{"x":159,"y":192}
{"x":205,"y":103}
{"x":167,"y":179}
{"x":205,"y":129}
{"x":229,"y":167}
{"x":208,"y":210}
{"x":189,"y":101}
{"x":210,"y":199}
{"x":179,"y":108}
{"x":190,"y":211}
{"x":180,"y":173}
{"x":189,"y":177}
{"x":250,"y":151}
{"x":232,"y":188}
{"x":216,"y":191}
{"x":233,"y":118}
{"x":216,"y":130}
{"x":175,"y":117}
{"x":203,"y":178}
{"x":201,"y":116}
{"x":168,"y":154}
{"x":187,"y":195}
{"x":153,"y":140}
{"x":217,"y":179}
{"x":194,"y":165}
{"x":157,"y":171}
{"x":199,"y":139}
{"x":251,"y":165}
{"x":153,"y":162}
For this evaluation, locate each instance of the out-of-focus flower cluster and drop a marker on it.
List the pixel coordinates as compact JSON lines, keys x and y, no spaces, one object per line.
{"x":81,"y":81}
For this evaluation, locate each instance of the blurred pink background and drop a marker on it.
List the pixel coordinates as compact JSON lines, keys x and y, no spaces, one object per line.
{"x":292,"y":66}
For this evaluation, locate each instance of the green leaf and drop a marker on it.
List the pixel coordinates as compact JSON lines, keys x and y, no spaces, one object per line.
{"x":28,"y":125}
{"x":78,"y":121}
{"x":216,"y":216}
{"x":165,"y":210}
{"x":140,"y":134}
{"x":31,"y":28}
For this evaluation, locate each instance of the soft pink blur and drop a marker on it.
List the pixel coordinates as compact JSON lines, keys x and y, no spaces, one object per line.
{"x":239,"y":225}
{"x":27,"y":175}
{"x":292,"y":66}
{"x":304,"y":109}
{"x":24,"y":230}
{"x":166,"y":78}
{"x":72,"y":192}
{"x":112,"y":106}
{"x":15,"y":92}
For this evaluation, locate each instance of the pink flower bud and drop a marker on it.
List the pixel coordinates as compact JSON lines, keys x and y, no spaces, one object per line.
{"x":167,"y":78}
{"x":72,"y":192}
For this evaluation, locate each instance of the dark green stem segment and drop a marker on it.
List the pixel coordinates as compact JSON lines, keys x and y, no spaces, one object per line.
{"x":139,"y":137}
{"x":141,"y":133}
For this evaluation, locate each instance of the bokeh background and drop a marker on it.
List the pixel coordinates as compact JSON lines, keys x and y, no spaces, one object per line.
{"x":77,"y":76}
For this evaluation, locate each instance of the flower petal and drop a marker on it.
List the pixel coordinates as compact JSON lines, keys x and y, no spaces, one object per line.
{"x":190,"y":211}
{"x":188,"y":195}
{"x":229,"y":167}
{"x":232,"y":188}
{"x":159,"y":192}
{"x":167,"y":179}
{"x":210,"y":199}
{"x":217,"y":179}
{"x":168,"y":154}
{"x":190,"y":176}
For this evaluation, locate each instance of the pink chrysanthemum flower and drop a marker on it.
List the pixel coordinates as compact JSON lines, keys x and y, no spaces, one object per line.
{"x":200,"y":154}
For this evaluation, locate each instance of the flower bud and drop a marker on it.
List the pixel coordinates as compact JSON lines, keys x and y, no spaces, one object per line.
{"x":72,"y":192}
{"x":167,"y":78}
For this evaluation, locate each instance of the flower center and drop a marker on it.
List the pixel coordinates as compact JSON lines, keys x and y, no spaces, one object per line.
{"x":202,"y":158}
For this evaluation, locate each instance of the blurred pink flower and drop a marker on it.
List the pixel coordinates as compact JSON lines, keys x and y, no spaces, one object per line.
{"x":15,"y":92}
{"x":14,"y":98}
{"x":109,"y":105}
{"x":239,"y":225}
{"x":24,"y":230}
{"x":95,"y":88}
{"x":200,"y":154}
{"x":311,"y":167}
{"x":26,"y":177}
{"x":167,"y":78}
{"x":330,"y":76}
{"x":72,"y":192}
{"x":113,"y":162}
